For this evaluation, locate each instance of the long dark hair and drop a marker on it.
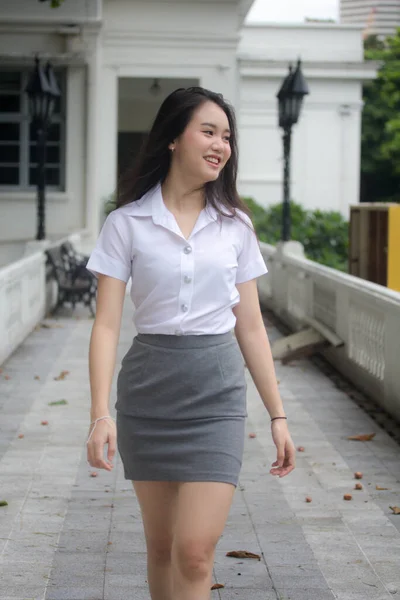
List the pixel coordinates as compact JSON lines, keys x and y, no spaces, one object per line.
{"x":154,"y":159}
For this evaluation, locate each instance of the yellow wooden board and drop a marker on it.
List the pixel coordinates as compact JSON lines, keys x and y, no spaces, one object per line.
{"x":393,"y":277}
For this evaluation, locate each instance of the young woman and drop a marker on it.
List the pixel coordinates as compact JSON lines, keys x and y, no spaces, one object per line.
{"x":182,"y":234}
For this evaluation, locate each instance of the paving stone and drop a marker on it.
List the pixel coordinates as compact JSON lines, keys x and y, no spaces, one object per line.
{"x":70,"y":593}
{"x":238,"y":573}
{"x":247,"y":594}
{"x":122,"y":592}
{"x":304,"y":594}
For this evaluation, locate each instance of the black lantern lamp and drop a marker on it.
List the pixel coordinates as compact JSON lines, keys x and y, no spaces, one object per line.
{"x":284,"y":99}
{"x":43,"y":91}
{"x":290,"y":100}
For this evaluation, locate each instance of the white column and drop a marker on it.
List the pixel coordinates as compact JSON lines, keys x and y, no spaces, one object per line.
{"x":93,"y":138}
{"x":102,"y":131}
{"x":350,"y":157}
{"x":108,"y":133}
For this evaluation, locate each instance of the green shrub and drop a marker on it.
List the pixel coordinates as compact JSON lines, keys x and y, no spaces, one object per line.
{"x":324,"y":234}
{"x":109,"y":204}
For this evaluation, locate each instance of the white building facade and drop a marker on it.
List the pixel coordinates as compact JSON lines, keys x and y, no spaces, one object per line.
{"x":117,"y":59}
{"x":377,"y":17}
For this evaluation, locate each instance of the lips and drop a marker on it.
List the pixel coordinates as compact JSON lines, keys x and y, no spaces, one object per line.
{"x":213,"y":160}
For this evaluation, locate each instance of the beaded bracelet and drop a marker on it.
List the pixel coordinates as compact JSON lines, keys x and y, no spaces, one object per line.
{"x":95,"y":423}
{"x":278,"y":418}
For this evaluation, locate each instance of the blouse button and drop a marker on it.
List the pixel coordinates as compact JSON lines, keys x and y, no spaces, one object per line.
{"x":187,"y":279}
{"x":184,"y":307}
{"x":187,"y":249}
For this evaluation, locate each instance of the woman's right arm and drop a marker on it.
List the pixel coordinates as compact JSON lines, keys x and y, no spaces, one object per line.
{"x":102,"y":358}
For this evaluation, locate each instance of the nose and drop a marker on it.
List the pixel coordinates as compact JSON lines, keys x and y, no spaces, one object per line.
{"x":218,"y":144}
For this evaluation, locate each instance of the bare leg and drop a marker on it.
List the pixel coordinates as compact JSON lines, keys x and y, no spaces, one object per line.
{"x":158,"y":501}
{"x":202,"y":511}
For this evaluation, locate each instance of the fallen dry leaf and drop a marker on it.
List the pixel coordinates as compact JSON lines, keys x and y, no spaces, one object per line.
{"x":217,"y":586}
{"x":94,"y":474}
{"x":358,"y":486}
{"x":395,"y":509}
{"x":44,"y":422}
{"x":308,"y":499}
{"x":20,"y":436}
{"x":347,"y":497}
{"x":378,"y":487}
{"x":252,"y":435}
{"x":363,"y":437}
{"x":7,"y":377}
{"x":243,"y":554}
{"x":358,"y":475}
{"x":62,"y":375}
{"x":300,"y":448}
{"x":36,"y":377}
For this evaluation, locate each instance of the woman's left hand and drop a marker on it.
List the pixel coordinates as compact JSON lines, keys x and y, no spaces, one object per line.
{"x":286,"y":452}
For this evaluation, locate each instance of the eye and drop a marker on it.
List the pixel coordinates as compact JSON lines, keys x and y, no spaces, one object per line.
{"x":210,"y":132}
{"x":227,"y":139}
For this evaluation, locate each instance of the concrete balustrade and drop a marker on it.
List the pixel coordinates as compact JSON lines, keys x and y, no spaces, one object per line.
{"x":365,"y":316}
{"x":25,"y":294}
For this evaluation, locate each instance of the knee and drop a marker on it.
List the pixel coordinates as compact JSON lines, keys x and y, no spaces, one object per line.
{"x":194,"y":559}
{"x":159,"y":551}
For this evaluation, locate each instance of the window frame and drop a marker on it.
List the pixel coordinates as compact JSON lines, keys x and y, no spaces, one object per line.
{"x":23,"y":118}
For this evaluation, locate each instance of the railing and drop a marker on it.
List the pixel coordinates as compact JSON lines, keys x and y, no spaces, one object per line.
{"x":365,"y":316}
{"x":22,"y":301}
{"x":26,"y":295}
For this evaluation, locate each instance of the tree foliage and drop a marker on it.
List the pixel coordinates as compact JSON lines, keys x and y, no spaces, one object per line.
{"x":324,"y":234}
{"x":380,"y":149}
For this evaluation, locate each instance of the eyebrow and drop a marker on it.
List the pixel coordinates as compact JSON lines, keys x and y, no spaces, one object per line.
{"x":214,"y":126}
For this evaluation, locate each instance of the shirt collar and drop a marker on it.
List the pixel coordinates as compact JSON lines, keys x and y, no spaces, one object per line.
{"x":152,"y":205}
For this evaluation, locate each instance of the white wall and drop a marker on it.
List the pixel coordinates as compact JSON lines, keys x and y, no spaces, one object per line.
{"x":311,"y":41}
{"x":75,"y":11}
{"x":326,"y":141}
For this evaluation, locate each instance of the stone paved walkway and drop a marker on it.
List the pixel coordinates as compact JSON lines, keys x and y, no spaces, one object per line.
{"x":67,"y":536}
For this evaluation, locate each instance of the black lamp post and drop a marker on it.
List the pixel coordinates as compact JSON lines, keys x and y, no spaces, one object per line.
{"x":290,"y":99}
{"x":42,"y":90}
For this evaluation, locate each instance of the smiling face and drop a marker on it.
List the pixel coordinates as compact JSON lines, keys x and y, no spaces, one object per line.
{"x":203,"y":149}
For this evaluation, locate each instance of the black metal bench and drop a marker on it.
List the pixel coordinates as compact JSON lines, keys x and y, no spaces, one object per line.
{"x":75,"y":283}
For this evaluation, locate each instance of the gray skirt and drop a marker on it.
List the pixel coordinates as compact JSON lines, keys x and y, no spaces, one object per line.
{"x":181,"y":408}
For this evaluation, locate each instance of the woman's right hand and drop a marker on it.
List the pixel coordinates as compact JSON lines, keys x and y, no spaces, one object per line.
{"x":105,"y":432}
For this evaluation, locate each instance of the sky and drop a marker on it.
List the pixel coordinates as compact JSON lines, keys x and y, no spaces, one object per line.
{"x":291,"y":11}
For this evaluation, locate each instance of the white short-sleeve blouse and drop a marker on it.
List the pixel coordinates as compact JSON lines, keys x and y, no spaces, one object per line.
{"x":179,"y":286}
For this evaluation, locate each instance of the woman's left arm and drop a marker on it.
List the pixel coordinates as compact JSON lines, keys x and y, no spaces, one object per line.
{"x":254,"y":344}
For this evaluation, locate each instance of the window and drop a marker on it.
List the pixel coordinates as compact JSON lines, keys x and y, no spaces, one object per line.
{"x":18,"y":153}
